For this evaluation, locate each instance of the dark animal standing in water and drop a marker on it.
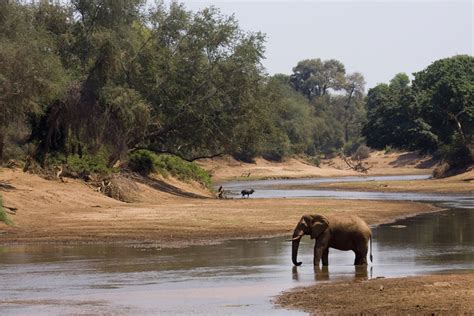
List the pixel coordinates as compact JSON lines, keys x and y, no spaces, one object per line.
{"x":247,"y":193}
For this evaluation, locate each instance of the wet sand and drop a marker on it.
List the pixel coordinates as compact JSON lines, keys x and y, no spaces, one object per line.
{"x":445,"y":294}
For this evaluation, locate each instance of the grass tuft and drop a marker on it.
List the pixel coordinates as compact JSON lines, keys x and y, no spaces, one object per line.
{"x":3,"y":215}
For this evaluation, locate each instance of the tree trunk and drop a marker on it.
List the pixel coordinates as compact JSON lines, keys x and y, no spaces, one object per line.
{"x":2,"y":144}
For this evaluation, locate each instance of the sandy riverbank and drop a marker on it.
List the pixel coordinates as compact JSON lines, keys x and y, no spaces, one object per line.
{"x":444,"y":294}
{"x":168,"y":212}
{"x":52,"y":211}
{"x":396,"y":163}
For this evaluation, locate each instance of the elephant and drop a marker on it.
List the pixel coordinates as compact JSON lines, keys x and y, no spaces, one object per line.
{"x":339,"y":232}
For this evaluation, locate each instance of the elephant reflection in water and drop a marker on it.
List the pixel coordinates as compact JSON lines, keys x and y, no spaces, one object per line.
{"x":322,"y":274}
{"x":339,"y":232}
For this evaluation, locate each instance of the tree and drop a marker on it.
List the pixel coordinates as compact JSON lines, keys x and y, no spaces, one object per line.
{"x":392,"y":117}
{"x":31,"y":74}
{"x":445,"y":93}
{"x":201,"y":75}
{"x":313,"y":77}
{"x":290,"y":115}
{"x":338,"y":117}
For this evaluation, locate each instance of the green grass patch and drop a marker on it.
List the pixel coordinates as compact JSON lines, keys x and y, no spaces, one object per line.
{"x":3,"y":215}
{"x":146,"y":162}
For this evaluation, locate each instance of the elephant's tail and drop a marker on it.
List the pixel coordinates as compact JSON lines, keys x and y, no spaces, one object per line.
{"x":371,"y":259}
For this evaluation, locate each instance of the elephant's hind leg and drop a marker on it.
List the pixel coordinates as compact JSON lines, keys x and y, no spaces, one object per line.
{"x":360,"y":260}
{"x":361,"y":256}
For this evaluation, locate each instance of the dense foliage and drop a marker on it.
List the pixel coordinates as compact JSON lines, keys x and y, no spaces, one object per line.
{"x":435,"y":113}
{"x":90,"y":83}
{"x":102,"y":79}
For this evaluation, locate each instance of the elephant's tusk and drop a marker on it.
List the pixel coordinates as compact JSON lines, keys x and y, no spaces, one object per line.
{"x":297,"y":237}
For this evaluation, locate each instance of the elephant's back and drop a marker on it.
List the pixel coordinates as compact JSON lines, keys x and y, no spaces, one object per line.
{"x":348,"y":231}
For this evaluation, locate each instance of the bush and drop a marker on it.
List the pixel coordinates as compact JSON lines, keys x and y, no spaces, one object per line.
{"x":388,"y":149}
{"x":3,"y":215}
{"x":182,"y":170}
{"x":331,"y":153}
{"x":457,"y":154}
{"x":83,"y":164}
{"x":146,"y":162}
{"x":245,"y":156}
{"x":143,"y":162}
{"x":314,"y":160}
{"x":351,"y":146}
{"x":362,"y":152}
{"x":88,"y":164}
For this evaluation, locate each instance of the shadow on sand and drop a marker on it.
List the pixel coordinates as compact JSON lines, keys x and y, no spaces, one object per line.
{"x":409,"y":159}
{"x":166,"y":187}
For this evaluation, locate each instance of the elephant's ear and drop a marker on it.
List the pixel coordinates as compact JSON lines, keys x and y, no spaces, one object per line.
{"x":319,"y":224}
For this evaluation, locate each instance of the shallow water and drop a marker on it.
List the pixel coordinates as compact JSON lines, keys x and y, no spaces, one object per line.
{"x":270,"y":189}
{"x":234,"y":278}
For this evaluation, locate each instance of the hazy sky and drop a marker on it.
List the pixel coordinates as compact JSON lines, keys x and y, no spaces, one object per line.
{"x":376,"y":38}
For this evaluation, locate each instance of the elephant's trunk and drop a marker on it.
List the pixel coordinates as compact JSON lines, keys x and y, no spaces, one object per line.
{"x":295,"y":245}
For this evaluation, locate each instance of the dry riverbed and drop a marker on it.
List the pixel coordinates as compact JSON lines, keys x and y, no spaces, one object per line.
{"x":181,"y":215}
{"x":51,"y":211}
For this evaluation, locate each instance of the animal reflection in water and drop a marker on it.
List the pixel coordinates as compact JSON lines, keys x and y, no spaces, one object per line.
{"x":339,"y":232}
{"x":322,"y":273}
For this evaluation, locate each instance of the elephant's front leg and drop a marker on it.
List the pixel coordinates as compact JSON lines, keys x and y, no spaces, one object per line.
{"x":318,"y":253}
{"x":325,"y":257}
{"x":321,"y":249}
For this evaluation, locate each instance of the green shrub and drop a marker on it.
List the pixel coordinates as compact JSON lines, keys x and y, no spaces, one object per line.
{"x":314,"y":160}
{"x":388,"y":149}
{"x":352,"y":145}
{"x":146,"y":162}
{"x":84,"y":163}
{"x":457,"y":154}
{"x":331,"y":153}
{"x":182,"y":170}
{"x":3,"y":215}
{"x":362,"y":152}
{"x":143,"y":162}
{"x":88,"y":163}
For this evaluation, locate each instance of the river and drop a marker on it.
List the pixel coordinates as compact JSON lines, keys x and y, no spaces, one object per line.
{"x":233,"y":278}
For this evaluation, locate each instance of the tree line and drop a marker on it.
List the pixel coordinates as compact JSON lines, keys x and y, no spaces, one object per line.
{"x":92,"y":80}
{"x":433,"y":113}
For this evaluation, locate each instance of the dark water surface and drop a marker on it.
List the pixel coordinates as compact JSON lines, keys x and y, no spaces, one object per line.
{"x":234,"y":278}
